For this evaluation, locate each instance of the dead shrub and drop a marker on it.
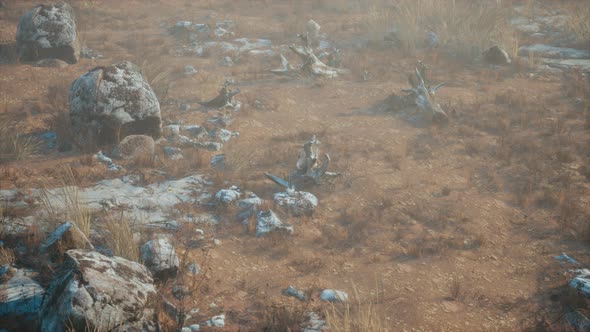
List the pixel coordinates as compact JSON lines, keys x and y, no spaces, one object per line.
{"x":278,"y":318}
{"x":357,"y":315}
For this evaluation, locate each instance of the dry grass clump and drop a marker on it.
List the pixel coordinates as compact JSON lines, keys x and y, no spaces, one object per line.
{"x":356,"y":315}
{"x":6,"y":257}
{"x":282,"y":318}
{"x":159,"y":77}
{"x":13,"y":145}
{"x":121,"y":237}
{"x":578,"y":24}
{"x":66,"y":204}
{"x":464,"y":28}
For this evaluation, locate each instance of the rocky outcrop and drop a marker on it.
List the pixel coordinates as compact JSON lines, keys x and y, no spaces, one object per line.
{"x":48,"y":31}
{"x":110,"y":103}
{"x":98,"y":293}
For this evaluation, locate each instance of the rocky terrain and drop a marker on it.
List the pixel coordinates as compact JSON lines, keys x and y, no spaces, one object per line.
{"x":271,"y":165}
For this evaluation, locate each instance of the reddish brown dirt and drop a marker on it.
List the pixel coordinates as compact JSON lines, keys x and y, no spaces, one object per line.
{"x":417,"y":208}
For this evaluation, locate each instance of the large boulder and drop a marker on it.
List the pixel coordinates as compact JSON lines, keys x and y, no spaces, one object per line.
{"x":95,"y":292}
{"x":160,"y":258}
{"x":20,"y":300}
{"x":48,"y":31}
{"x":110,"y":103}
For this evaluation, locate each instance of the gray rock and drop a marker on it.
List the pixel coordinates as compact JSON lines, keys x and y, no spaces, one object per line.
{"x":218,"y":161}
{"x":227,"y":62}
{"x":209,"y":146}
{"x":160,"y":258}
{"x":581,"y":282}
{"x":225,"y":135}
{"x":180,"y":291}
{"x":267,"y":221}
{"x":315,"y":324}
{"x":20,"y":301}
{"x":189,"y":70}
{"x":67,"y":236}
{"x":110,"y":103}
{"x":92,"y":291}
{"x":294,"y":292}
{"x":248,"y":207}
{"x":137,"y":148}
{"x":172,"y":153}
{"x":431,"y":39}
{"x":194,"y":268}
{"x":88,"y":53}
{"x":216,"y":321}
{"x":195,"y":131}
{"x":546,"y":51}
{"x":195,"y":328}
{"x":495,"y":55}
{"x":297,"y":203}
{"x":227,"y":196}
{"x":584,"y":64}
{"x":48,"y":31}
{"x":332,"y":295}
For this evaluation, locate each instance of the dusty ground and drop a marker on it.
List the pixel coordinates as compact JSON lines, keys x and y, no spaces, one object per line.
{"x":447,"y":228}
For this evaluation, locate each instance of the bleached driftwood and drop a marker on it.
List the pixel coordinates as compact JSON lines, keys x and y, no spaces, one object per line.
{"x":224,"y":99}
{"x":311,"y":65}
{"x":421,"y":94}
{"x":309,"y":168}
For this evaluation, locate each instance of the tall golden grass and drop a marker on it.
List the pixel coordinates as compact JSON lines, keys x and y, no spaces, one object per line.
{"x":71,"y":208}
{"x":464,"y":28}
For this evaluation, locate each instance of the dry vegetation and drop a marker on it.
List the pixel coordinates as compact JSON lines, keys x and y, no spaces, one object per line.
{"x":471,"y":212}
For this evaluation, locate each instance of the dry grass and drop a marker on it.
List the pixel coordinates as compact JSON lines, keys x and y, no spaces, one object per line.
{"x":66,"y":203}
{"x":158,"y":76}
{"x":282,"y":318}
{"x":13,"y":145}
{"x":357,"y":316}
{"x":6,"y":257}
{"x":121,"y":237}
{"x":464,"y":28}
{"x":578,"y":24}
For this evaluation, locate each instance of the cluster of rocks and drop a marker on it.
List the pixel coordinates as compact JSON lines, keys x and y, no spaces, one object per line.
{"x":199,"y":39}
{"x":89,"y":290}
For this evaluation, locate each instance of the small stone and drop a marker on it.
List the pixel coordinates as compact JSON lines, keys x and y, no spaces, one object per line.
{"x":267,"y":221}
{"x":331,"y":295}
{"x":227,"y":62}
{"x":216,"y":321}
{"x":195,"y":328}
{"x":189,"y":70}
{"x":496,"y":56}
{"x":218,"y":161}
{"x":194,"y":268}
{"x":227,"y":196}
{"x":294,"y":292}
